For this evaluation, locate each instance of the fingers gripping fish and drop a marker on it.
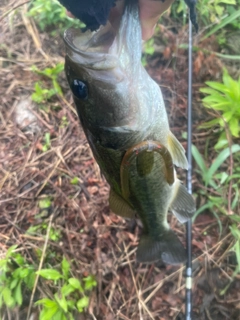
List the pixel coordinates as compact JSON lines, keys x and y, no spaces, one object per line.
{"x":123,"y":115}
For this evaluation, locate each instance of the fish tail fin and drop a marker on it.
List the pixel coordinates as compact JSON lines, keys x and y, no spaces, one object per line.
{"x":167,"y":248}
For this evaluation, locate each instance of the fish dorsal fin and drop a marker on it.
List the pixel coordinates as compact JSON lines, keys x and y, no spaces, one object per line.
{"x":183,"y":205}
{"x":177,"y":152}
{"x":119,"y":206}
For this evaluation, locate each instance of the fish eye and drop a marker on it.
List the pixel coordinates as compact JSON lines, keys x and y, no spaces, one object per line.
{"x":79,"y":89}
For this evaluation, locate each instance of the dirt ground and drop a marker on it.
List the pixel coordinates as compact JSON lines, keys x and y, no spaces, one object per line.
{"x":98,"y":241}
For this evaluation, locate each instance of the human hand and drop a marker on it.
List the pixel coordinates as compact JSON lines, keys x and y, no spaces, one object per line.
{"x":149,"y":12}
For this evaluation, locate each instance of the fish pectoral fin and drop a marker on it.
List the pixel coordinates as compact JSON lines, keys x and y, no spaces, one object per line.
{"x":177,"y":152}
{"x":183,"y":205}
{"x":120,"y":206}
{"x":167,"y":248}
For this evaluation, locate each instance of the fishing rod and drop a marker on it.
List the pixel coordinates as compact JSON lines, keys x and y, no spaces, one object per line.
{"x":188,"y":293}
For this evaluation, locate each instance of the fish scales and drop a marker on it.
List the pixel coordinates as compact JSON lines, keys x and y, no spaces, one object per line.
{"x":123,"y":115}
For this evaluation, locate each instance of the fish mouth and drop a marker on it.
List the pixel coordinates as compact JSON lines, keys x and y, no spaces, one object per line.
{"x":90,"y":49}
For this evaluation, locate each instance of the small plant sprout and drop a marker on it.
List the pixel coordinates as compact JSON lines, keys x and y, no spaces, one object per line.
{"x":47,"y":144}
{"x":41,"y":93}
{"x":224,"y":98}
{"x":16,"y":276}
{"x":71,"y":293}
{"x":74,"y":180}
{"x":64,"y":122}
{"x":49,"y":13}
{"x":45,"y":203}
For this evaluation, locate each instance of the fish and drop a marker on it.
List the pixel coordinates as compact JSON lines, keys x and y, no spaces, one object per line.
{"x":123,"y":115}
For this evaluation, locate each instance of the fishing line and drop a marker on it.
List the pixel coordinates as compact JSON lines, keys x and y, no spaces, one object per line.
{"x":188,"y":293}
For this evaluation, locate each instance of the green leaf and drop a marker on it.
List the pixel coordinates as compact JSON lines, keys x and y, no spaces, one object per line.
{"x":75,"y":283}
{"x":90,"y":282}
{"x":75,"y":180}
{"x":65,"y":267}
{"x":57,"y":88}
{"x":234,"y":127}
{"x":221,"y":144}
{"x":82,"y":303}
{"x":24,"y":272}
{"x":19,"y":259}
{"x":45,"y":148}
{"x":48,"y":313}
{"x":235,"y":218}
{"x":226,"y":56}
{"x":67,"y":289}
{"x":206,"y":206}
{"x":223,"y":23}
{"x":14,"y":283}
{"x":219,"y":221}
{"x":60,"y":315}
{"x":228,"y":1}
{"x":7,"y":297}
{"x":224,"y":177}
{"x":1,"y":300}
{"x":49,"y":274}
{"x":209,"y":124}
{"x":16,"y":273}
{"x":47,"y":138}
{"x":10,"y":251}
{"x":45,"y":203}
{"x":30,"y":279}
{"x":237,"y":250}
{"x":235,"y":232}
{"x":62,"y":302}
{"x":47,"y":303}
{"x":58,"y":68}
{"x":18,"y":294}
{"x":207,"y":90}
{"x":223,"y":155}
{"x":199,"y":159}
{"x":218,"y":86}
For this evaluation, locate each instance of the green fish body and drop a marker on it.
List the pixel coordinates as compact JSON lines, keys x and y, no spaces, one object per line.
{"x":123,"y":115}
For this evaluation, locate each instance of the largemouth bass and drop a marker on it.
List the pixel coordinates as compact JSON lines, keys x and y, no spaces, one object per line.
{"x":123,"y":115}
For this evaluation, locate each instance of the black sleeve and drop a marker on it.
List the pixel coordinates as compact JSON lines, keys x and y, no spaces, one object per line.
{"x":92,"y":12}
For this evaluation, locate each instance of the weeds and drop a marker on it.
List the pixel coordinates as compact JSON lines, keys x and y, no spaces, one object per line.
{"x":64,"y":122}
{"x":221,"y":180}
{"x":221,"y":184}
{"x":71,"y":294}
{"x":54,"y":234}
{"x":15,"y":274}
{"x":52,"y":74}
{"x":17,"y":278}
{"x":224,"y":99}
{"x":42,"y":93}
{"x":49,"y":13}
{"x":216,"y":201}
{"x":209,"y":174}
{"x":213,"y":10}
